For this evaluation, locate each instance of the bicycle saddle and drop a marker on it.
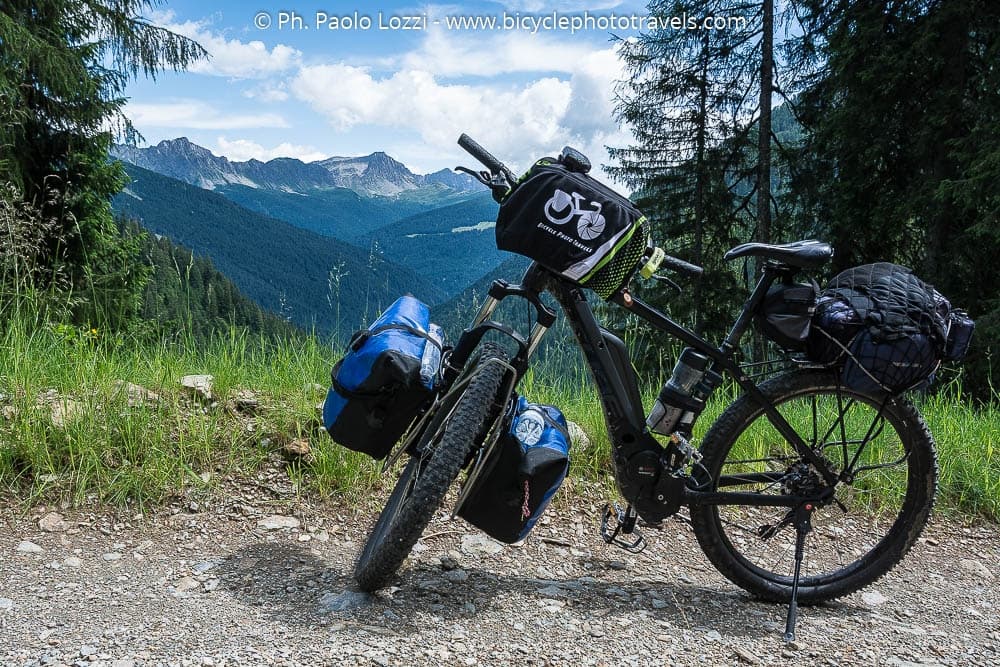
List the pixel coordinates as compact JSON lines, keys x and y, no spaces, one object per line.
{"x":802,"y":254}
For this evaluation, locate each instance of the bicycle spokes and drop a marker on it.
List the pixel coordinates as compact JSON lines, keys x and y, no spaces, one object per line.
{"x":860,"y":447}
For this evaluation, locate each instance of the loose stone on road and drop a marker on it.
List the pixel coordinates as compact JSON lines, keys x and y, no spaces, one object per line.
{"x":236,"y":585}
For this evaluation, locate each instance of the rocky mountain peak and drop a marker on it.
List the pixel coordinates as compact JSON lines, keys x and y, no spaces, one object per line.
{"x":374,"y":174}
{"x":184,"y":146}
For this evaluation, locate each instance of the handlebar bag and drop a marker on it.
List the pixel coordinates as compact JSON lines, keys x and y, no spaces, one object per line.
{"x":528,"y":465}
{"x":575,"y":226}
{"x":387,"y":375}
{"x":889,"y":329}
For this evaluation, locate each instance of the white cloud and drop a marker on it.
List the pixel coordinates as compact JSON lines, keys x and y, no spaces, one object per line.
{"x":231,"y":57}
{"x":193,"y":114}
{"x":267,"y":93}
{"x":516,"y":118}
{"x":504,"y":117}
{"x":451,"y":54}
{"x":240,"y":150}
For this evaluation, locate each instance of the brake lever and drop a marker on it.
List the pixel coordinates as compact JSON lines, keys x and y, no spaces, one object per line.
{"x":668,"y":281}
{"x":481,"y":176}
{"x":498,"y":184}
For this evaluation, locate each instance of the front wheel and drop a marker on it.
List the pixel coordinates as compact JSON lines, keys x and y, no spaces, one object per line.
{"x":461,"y":421}
{"x":884,"y":455}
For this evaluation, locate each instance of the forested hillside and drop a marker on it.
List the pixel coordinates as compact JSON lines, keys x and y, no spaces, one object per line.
{"x":457,"y":312}
{"x":187,"y":297}
{"x":309,"y":279}
{"x":454,"y":245}
{"x":335,"y":212}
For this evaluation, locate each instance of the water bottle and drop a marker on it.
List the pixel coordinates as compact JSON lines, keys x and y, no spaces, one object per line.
{"x":430,"y":360}
{"x":675,"y":398}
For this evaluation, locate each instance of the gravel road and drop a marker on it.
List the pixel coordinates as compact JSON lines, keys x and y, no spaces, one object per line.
{"x":246,"y":582}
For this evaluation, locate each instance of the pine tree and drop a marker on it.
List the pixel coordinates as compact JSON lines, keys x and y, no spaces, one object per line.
{"x":902,"y":158}
{"x":698,"y":103}
{"x":64,"y":65}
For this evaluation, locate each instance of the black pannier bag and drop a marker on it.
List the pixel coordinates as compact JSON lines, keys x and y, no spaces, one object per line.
{"x":785,"y":316}
{"x":388,"y":373}
{"x":574,"y":225}
{"x":525,"y":470}
{"x":888,"y":329}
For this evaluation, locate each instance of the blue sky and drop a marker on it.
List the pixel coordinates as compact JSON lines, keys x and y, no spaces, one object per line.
{"x":312,"y":92}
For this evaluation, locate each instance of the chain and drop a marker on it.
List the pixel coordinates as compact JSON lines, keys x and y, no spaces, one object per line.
{"x":525,"y":507}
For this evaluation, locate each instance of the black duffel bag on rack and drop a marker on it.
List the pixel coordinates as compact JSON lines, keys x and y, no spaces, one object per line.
{"x":886,"y":328}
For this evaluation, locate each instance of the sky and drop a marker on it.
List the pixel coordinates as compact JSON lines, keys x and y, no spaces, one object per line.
{"x":281,"y":82}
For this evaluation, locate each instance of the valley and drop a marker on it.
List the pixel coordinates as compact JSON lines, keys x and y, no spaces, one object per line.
{"x":324,"y":244}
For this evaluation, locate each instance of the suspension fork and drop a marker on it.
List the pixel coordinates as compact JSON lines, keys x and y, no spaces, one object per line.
{"x":533,"y":282}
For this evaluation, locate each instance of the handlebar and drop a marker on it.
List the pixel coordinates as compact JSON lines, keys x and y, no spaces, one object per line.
{"x":496,"y":167}
{"x":480,"y":153}
{"x":680,"y":266}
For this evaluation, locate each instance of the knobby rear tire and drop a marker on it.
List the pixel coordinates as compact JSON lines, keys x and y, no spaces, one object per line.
{"x":426,"y":477}
{"x":862,"y":545}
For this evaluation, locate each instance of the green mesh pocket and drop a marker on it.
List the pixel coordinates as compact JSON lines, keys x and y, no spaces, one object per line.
{"x":619,"y":270}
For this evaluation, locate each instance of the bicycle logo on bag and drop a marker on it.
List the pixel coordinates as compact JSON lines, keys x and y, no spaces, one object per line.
{"x":590,"y":223}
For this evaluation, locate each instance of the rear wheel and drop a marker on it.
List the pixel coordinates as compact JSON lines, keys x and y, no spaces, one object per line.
{"x":878,"y":445}
{"x":460,"y":423}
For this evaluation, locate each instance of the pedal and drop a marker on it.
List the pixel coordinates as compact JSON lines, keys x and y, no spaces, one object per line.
{"x":617,"y":521}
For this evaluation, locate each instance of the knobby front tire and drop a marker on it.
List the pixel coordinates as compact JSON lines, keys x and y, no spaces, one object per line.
{"x":454,"y":430}
{"x":887,"y":499}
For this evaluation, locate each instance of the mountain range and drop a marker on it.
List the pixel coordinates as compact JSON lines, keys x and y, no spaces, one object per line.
{"x":314,"y":281}
{"x":376,"y":174}
{"x":325,"y":244}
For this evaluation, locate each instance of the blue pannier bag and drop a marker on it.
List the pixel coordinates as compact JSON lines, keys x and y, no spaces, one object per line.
{"x":386,"y":377}
{"x":528,"y":465}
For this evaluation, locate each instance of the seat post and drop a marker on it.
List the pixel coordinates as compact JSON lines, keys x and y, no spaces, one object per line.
{"x":767,"y":277}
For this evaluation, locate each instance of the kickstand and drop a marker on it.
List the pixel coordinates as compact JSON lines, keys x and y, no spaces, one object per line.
{"x":617,"y":521}
{"x":803,"y":526}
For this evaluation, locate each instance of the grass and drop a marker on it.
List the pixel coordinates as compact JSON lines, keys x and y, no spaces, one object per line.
{"x":106,"y":450}
{"x":965,"y":436}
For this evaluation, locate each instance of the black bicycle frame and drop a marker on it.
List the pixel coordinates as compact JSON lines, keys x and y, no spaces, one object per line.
{"x":614,"y":377}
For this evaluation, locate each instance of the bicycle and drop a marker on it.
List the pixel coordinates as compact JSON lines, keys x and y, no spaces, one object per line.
{"x":590,"y":222}
{"x":788,"y":470}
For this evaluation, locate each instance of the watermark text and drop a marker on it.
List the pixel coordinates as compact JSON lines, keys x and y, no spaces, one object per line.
{"x":358,"y":21}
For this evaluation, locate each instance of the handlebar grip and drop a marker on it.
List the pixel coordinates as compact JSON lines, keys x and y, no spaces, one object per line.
{"x":681,"y":266}
{"x":481,"y":154}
